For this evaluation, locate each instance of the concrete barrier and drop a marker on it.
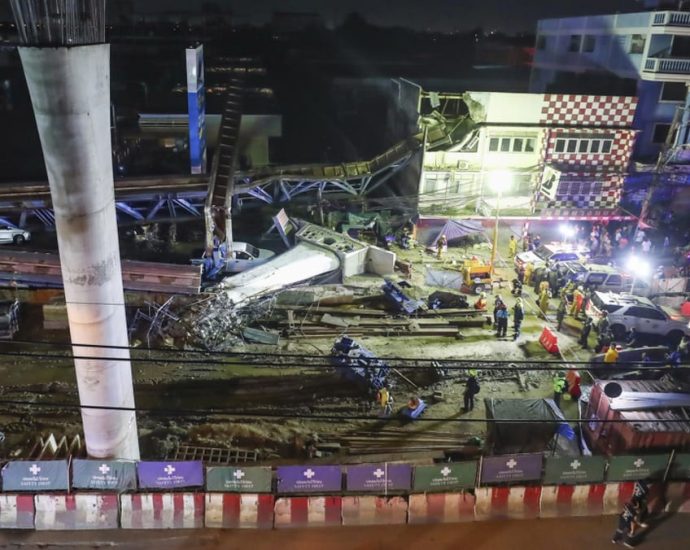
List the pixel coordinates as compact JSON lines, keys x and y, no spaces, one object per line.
{"x":81,"y":511}
{"x":162,"y":511}
{"x":441,"y":508}
{"x":507,"y":502}
{"x":16,"y":512}
{"x":616,"y":495}
{"x":372,"y":510}
{"x":572,"y":500}
{"x":307,"y":512}
{"x":243,"y":511}
{"x":678,"y":496}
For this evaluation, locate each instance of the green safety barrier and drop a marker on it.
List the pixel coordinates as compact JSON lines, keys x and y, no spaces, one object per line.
{"x":239,"y":479}
{"x":569,"y":470}
{"x":459,"y":475}
{"x":636,"y":467}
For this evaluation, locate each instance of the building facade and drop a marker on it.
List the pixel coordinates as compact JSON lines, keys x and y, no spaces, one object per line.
{"x":565,"y":155}
{"x":644,"y":54}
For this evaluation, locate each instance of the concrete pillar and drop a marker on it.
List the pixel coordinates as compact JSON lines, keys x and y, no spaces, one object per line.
{"x":70,"y":93}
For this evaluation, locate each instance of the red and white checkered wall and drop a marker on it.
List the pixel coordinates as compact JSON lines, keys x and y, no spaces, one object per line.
{"x":588,"y":110}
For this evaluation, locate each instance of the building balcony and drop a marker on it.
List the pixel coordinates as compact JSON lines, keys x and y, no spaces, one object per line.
{"x":671,"y":19}
{"x":668,"y":69}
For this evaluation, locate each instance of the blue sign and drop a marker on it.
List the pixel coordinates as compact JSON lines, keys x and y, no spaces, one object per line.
{"x":496,"y":469}
{"x":196,"y":106}
{"x":379,"y":478}
{"x":309,"y":479}
{"x":35,"y":475}
{"x":170,"y":475}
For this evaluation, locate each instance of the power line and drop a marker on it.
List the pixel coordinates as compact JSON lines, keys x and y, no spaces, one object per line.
{"x":329,"y":417}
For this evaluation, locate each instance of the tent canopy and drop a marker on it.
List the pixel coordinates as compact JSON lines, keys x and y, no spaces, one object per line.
{"x":454,"y":229}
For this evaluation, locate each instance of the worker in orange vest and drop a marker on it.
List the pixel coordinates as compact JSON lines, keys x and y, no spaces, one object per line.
{"x":481,"y":302}
{"x":578,"y":297}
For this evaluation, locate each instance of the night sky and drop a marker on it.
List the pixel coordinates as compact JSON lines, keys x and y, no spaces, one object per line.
{"x":508,"y":16}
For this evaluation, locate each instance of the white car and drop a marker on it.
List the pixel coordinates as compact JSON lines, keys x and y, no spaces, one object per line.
{"x":11,"y":234}
{"x":549,"y":253}
{"x":245,"y":256}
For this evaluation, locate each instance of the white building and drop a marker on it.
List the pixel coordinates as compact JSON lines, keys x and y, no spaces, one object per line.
{"x":567,"y":155}
{"x":645,"y":54}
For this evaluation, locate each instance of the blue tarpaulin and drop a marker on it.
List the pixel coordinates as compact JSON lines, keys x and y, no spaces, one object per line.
{"x":454,"y":229}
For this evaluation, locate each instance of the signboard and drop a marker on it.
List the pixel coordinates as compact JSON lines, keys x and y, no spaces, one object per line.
{"x":500,"y":469}
{"x":309,"y":479}
{"x":117,"y":475}
{"x":459,"y":475}
{"x":196,"y":106}
{"x":631,"y":468}
{"x":239,"y":480}
{"x":680,"y":468}
{"x":170,"y":475}
{"x":549,"y":182}
{"x":571,"y":470}
{"x":379,"y":478}
{"x":37,"y":475}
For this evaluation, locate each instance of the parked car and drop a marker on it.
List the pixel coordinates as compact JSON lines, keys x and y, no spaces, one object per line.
{"x":605,"y":278}
{"x":11,"y":234}
{"x":243,"y":256}
{"x":626,"y":311}
{"x":550,"y":253}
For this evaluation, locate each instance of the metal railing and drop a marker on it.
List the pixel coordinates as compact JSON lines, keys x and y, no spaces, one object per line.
{"x":675,"y":18}
{"x":667,"y":65}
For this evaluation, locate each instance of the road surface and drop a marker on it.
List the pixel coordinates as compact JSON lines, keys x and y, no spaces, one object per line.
{"x":557,"y":534}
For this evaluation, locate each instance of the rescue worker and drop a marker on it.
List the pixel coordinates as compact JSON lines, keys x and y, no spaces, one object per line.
{"x":512,"y":247}
{"x":584,"y":335}
{"x":529,"y":269}
{"x":544,"y":296}
{"x":441,"y":246}
{"x":471,"y":389}
{"x":560,"y":314}
{"x":626,"y":527}
{"x":611,"y":355}
{"x":639,"y":502}
{"x":575,"y":307}
{"x":544,"y":285}
{"x":559,"y":388}
{"x":603,"y":325}
{"x":481,"y":302}
{"x":518,"y":316}
{"x":521,"y":274}
{"x":385,"y":400}
{"x":502,"y":320}
{"x":497,"y":305}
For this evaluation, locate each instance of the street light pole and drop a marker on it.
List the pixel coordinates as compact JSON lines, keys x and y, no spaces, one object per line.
{"x":495,"y":243}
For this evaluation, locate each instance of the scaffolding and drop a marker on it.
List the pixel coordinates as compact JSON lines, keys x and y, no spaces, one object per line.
{"x":59,"y":22}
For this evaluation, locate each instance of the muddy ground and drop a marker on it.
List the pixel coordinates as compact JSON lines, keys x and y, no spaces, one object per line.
{"x":183,"y":402}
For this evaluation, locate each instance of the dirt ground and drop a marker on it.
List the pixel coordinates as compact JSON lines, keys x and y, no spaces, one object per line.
{"x":176,"y":398}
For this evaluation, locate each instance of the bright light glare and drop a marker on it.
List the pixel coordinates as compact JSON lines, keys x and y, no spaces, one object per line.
{"x":637,"y":267}
{"x":500,"y":180}
{"x":567,"y":230}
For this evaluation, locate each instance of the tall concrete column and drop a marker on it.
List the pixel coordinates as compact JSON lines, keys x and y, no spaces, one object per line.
{"x":70,"y":93}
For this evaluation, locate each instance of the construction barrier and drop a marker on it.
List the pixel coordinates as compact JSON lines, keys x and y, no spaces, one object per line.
{"x":307,"y":511}
{"x":371,"y":510}
{"x":572,"y":500}
{"x":616,"y":495}
{"x":507,"y":503}
{"x":162,"y":511}
{"x":16,"y":512}
{"x":441,"y":508}
{"x":77,"y":511}
{"x":243,"y":511}
{"x":549,"y":340}
{"x":678,"y":497}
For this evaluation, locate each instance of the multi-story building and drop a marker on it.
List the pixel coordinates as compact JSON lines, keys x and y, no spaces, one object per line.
{"x":644,"y":54}
{"x":566,"y":155}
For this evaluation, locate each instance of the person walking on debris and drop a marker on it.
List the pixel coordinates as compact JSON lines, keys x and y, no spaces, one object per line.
{"x":385,"y":400}
{"x":441,"y":246}
{"x":625,"y":529}
{"x":502,"y":320}
{"x":544,"y":296}
{"x":584,"y":335}
{"x":512,"y":246}
{"x":559,"y":388}
{"x":578,"y":296}
{"x":560,"y":314}
{"x":471,"y":389}
{"x":518,"y":316}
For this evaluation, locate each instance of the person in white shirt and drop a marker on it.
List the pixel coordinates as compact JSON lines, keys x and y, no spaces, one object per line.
{"x":646,"y":245}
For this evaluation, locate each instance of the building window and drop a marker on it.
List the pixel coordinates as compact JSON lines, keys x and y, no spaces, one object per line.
{"x":589,"y":43}
{"x":673,"y":91}
{"x":660,"y":133}
{"x":505,"y":145}
{"x":606,"y":146}
{"x":637,"y":42}
{"x":529,"y":146}
{"x":511,"y":145}
{"x":572,"y":146}
{"x":541,"y":42}
{"x":517,"y":145}
{"x":594,"y":146}
{"x":493,"y":144}
{"x":583,"y":145}
{"x":560,"y":145}
{"x":575,"y":43}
